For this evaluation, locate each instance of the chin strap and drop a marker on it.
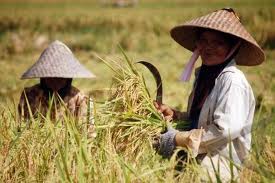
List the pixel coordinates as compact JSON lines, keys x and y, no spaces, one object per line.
{"x":232,"y":51}
{"x":186,"y":74}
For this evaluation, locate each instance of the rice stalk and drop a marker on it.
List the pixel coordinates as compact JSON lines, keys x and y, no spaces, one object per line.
{"x":133,"y":120}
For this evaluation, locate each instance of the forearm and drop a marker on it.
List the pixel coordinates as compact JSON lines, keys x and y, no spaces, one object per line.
{"x":199,"y":141}
{"x":215,"y":137}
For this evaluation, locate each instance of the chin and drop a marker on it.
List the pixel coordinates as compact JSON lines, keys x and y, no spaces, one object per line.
{"x":206,"y":62}
{"x":211,"y":62}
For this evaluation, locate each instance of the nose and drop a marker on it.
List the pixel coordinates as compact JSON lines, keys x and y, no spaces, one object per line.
{"x":207,"y":48}
{"x":210,"y":45}
{"x":206,"y":44}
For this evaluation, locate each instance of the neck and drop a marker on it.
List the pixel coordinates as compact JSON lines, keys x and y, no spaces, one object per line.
{"x":217,"y":65}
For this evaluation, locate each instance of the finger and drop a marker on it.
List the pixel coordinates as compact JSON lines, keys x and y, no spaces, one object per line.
{"x":163,"y":107}
{"x":156,"y":104}
{"x":169,"y":125}
{"x":168,"y":118}
{"x":168,"y":112}
{"x":159,"y":103}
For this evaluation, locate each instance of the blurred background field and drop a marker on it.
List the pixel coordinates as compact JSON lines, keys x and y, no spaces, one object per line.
{"x":93,"y":28}
{"x":88,"y":27}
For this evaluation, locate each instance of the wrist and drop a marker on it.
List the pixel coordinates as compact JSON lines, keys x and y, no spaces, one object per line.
{"x":167,"y":143}
{"x":178,"y":115}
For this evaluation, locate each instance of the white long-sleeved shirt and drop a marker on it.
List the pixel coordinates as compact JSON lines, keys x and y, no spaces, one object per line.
{"x":227,"y":114}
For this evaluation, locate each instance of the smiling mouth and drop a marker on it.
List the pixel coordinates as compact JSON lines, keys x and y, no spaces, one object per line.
{"x":207,"y":54}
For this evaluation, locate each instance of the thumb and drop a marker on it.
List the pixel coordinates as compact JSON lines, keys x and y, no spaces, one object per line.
{"x":156,"y":104}
{"x":169,"y":125}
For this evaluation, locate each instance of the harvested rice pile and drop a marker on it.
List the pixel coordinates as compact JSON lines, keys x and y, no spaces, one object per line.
{"x":133,"y":119}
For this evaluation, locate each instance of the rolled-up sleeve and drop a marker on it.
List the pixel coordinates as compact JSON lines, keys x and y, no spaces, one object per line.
{"x":229,"y":117}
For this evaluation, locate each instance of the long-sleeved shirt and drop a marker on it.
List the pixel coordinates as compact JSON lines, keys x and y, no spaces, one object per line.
{"x":227,"y":115}
{"x":74,"y":103}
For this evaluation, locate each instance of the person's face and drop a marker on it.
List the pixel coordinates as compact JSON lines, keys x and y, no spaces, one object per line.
{"x":55,"y":83}
{"x":213,"y":47}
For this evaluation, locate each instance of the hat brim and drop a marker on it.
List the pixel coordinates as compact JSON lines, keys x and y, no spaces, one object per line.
{"x":92,"y":76}
{"x":57,"y":61}
{"x":249,"y":54}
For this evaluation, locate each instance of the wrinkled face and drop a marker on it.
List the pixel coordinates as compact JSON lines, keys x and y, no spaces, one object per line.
{"x":213,"y":47}
{"x":56,"y":83}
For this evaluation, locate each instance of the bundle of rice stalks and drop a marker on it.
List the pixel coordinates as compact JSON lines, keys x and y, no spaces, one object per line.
{"x":133,"y":119}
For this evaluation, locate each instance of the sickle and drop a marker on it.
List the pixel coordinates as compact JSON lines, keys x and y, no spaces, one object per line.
{"x":157,"y":77}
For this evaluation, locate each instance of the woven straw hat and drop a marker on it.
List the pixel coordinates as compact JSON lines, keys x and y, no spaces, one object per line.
{"x":226,"y":21}
{"x":57,"y":61}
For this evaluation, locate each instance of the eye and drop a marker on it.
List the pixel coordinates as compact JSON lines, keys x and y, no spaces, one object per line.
{"x":202,"y":41}
{"x":219,"y":42}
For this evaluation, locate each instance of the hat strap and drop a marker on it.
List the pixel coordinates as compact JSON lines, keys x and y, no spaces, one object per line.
{"x":186,"y":74}
{"x":232,"y":51}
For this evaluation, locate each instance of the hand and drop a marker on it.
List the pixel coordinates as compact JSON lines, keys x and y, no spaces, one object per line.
{"x":165,"y":110}
{"x":190,"y":139}
{"x":167,"y":143}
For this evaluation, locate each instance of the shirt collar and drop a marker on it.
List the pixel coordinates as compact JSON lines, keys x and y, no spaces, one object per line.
{"x":230,"y":67}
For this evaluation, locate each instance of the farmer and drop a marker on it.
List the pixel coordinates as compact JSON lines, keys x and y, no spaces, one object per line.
{"x":56,"y":67}
{"x":221,"y":105}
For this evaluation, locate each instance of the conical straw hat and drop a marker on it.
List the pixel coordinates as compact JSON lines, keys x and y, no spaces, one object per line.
{"x":226,"y":21}
{"x":57,"y":61}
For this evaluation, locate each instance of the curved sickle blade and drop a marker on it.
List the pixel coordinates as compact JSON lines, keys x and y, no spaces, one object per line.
{"x":157,"y":77}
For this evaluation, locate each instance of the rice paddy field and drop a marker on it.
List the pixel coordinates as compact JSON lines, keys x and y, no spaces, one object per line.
{"x":126,"y":120}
